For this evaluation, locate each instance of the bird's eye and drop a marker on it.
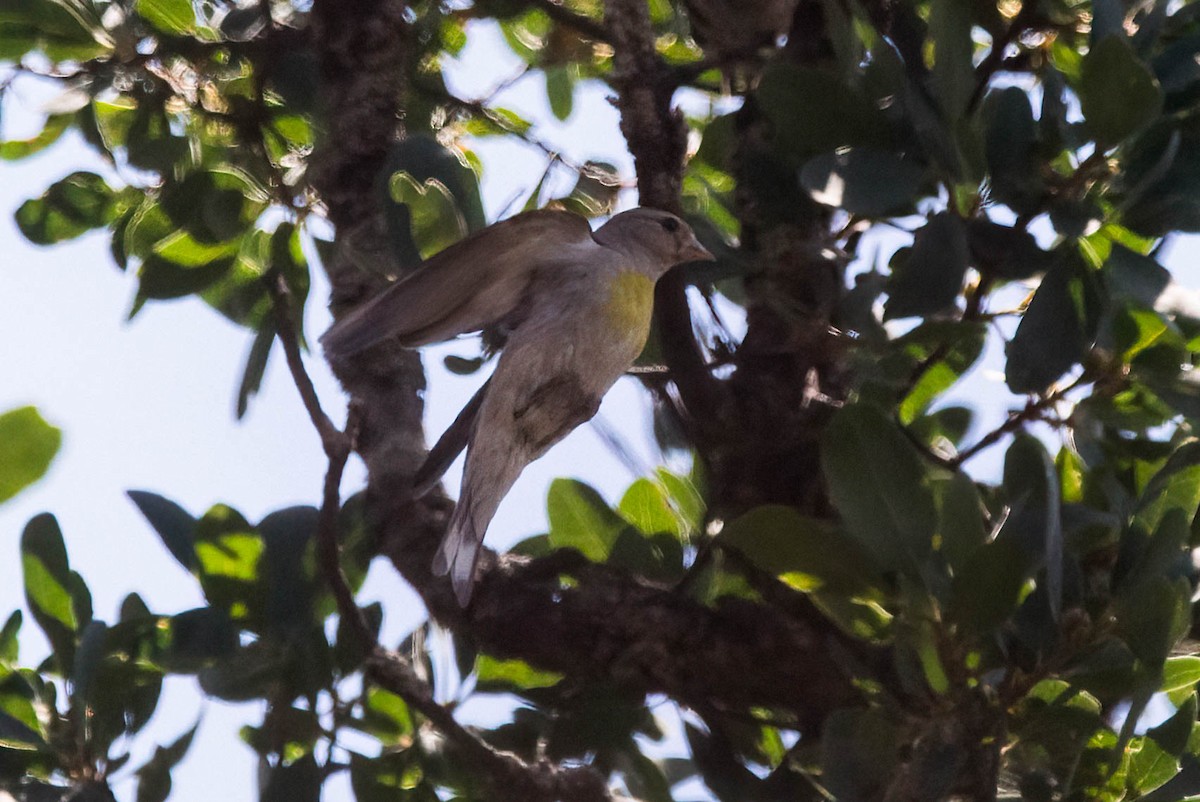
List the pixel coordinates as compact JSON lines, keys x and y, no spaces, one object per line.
{"x":670,"y":224}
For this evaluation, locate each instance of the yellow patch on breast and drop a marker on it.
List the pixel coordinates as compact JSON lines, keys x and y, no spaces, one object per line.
{"x":630,"y":305}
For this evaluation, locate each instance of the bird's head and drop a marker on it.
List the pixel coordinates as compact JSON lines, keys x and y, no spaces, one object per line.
{"x":656,"y":239}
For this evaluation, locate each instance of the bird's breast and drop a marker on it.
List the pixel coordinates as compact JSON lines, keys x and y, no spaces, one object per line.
{"x":629,"y":306}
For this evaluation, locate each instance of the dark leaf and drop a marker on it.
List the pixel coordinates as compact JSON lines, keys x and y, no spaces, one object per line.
{"x":255,"y":368}
{"x":197,"y":638}
{"x":1011,"y":150}
{"x":298,"y":781}
{"x":987,"y":586}
{"x":871,"y":183}
{"x":1005,"y":253}
{"x":930,"y":279}
{"x":175,"y":525}
{"x":1035,"y":519}
{"x":858,"y":753}
{"x":1118,"y":92}
{"x":92,"y":649}
{"x":950,"y":25}
{"x":1057,"y":329}
{"x":812,"y":111}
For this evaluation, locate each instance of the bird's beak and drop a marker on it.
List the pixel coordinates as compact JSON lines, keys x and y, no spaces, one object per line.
{"x":695,"y":252}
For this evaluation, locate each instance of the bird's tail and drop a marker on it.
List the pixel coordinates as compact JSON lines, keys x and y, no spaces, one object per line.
{"x":459,"y":551}
{"x":449,"y":445}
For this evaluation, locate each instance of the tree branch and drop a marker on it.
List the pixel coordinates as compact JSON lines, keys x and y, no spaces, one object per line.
{"x":657,"y":137}
{"x":565,"y":16}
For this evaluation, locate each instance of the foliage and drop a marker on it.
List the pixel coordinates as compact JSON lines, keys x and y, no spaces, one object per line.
{"x":1035,"y":158}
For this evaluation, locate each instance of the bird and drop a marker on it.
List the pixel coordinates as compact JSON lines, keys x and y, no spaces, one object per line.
{"x":572,"y":307}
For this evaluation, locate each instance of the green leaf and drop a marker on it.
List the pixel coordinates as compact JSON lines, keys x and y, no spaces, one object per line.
{"x":1180,"y":673}
{"x":1176,"y":486}
{"x":560,"y":90}
{"x":580,"y":519}
{"x":423,"y":158}
{"x":229,"y":556}
{"x":173,"y":17}
{"x":461,"y":366}
{"x":1149,"y":765}
{"x":1173,"y":734}
{"x":68,"y":208}
{"x":62,"y":30}
{"x":9,"y":645}
{"x":150,"y":144}
{"x":858,"y":754}
{"x":871,"y":183}
{"x":1152,"y":621}
{"x":386,"y":716}
{"x":944,"y":365}
{"x":930,"y":279}
{"x":48,"y":585}
{"x":215,"y":206}
{"x":52,"y":130}
{"x":878,"y":484}
{"x":161,"y":279}
{"x":27,"y":447}
{"x":1118,"y":93}
{"x":987,"y":586}
{"x":434,"y":218}
{"x":646,"y":506}
{"x":687,"y":498}
{"x":806,"y":553}
{"x":1056,"y":330}
{"x":505,"y":675}
{"x":961,"y":526}
{"x":175,"y":525}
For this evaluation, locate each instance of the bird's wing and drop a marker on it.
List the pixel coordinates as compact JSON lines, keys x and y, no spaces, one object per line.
{"x":472,"y":284}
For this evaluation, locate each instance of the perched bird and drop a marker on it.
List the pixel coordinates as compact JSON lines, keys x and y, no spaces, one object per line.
{"x":574,"y":306}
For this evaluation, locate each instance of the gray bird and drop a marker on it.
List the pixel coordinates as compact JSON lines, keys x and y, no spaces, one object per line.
{"x":575,"y":307}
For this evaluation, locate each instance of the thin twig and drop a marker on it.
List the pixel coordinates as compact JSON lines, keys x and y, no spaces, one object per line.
{"x":1034,"y":410}
{"x":281,"y":306}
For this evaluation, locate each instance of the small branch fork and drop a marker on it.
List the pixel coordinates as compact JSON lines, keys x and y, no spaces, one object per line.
{"x":506,"y":775}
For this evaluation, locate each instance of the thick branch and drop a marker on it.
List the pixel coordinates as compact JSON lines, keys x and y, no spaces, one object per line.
{"x":611,"y":626}
{"x":657,"y":137}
